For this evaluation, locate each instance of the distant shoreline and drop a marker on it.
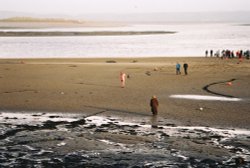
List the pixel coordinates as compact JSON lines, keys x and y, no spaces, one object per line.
{"x":92,"y":33}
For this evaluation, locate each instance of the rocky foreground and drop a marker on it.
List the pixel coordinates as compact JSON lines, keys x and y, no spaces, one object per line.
{"x":73,"y":140}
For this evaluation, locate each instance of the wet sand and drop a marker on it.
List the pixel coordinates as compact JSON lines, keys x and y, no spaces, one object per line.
{"x":83,"y":85}
{"x":73,"y":113}
{"x":106,"y":140}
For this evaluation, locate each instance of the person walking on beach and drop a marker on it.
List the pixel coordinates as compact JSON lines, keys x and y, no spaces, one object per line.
{"x":178,"y":69}
{"x":122,"y":79}
{"x":206,"y":53}
{"x":154,"y":105}
{"x":185,"y":66}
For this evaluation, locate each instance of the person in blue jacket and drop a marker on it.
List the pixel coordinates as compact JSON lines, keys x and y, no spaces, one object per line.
{"x":178,"y":69}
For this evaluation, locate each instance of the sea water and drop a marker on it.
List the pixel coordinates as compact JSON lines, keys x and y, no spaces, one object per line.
{"x":190,"y":39}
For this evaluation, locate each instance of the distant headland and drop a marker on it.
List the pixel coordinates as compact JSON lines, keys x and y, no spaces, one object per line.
{"x":27,"y":23}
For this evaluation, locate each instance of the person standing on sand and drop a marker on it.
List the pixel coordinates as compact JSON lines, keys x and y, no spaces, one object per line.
{"x":178,"y":69}
{"x":206,"y":53}
{"x":211,"y":53}
{"x":154,"y":105}
{"x":185,"y":66}
{"x":122,"y":79}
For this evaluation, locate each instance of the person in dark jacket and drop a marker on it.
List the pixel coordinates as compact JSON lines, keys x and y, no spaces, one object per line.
{"x":185,"y":66}
{"x":154,"y":105}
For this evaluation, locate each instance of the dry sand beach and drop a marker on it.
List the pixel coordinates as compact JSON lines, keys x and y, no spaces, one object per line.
{"x":111,"y":126}
{"x":71,"y":85}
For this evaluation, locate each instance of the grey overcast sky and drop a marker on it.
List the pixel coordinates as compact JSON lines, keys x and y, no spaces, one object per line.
{"x":75,"y":7}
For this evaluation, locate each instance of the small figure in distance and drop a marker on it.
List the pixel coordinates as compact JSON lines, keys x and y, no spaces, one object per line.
{"x":211,"y":53}
{"x":178,"y":69}
{"x":122,"y":79}
{"x":206,"y":53}
{"x":185,"y":66}
{"x":154,"y":105}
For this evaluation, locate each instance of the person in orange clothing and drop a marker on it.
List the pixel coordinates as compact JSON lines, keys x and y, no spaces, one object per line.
{"x":154,"y":105}
{"x":122,"y":79}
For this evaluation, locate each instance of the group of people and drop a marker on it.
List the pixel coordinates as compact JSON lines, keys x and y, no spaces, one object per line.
{"x":178,"y":68}
{"x":223,"y":54}
{"x":123,"y":76}
{"x":228,"y":54}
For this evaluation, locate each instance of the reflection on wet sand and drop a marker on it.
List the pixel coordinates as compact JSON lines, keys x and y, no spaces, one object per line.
{"x":154,"y":121}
